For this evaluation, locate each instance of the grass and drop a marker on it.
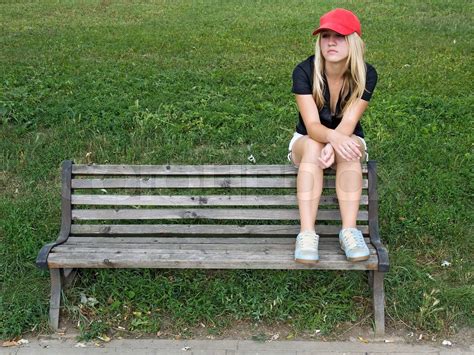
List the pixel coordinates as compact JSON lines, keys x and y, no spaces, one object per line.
{"x":209,"y":82}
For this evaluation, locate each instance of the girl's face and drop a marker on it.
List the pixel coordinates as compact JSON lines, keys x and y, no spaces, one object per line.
{"x":334,"y":47}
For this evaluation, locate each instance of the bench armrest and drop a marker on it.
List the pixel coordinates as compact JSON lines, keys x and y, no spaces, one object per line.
{"x":42,"y":258}
{"x":66,"y":175}
{"x":382,"y":252}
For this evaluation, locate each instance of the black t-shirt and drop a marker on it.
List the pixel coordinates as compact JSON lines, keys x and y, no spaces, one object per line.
{"x":303,"y":85}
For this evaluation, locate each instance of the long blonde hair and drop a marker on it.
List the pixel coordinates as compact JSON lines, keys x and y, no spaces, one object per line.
{"x":354,"y":75}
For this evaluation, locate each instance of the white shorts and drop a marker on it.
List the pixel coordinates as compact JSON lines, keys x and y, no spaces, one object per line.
{"x":297,"y":136}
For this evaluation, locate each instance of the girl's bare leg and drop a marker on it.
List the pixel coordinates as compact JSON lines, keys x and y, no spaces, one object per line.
{"x":349,"y":187}
{"x":305,"y":153}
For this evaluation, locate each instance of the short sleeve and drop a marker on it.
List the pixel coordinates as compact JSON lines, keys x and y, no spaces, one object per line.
{"x":301,"y":81}
{"x":370,"y":83}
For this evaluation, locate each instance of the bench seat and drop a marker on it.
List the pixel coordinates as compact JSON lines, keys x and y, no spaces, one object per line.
{"x":203,"y":253}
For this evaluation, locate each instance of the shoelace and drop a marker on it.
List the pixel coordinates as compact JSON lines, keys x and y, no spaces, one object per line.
{"x":307,"y":241}
{"x":353,"y":240}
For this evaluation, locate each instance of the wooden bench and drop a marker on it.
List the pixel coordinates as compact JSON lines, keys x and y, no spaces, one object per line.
{"x":209,"y":217}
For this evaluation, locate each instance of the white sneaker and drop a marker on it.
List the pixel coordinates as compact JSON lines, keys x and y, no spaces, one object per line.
{"x":306,"y":248}
{"x":353,"y":244}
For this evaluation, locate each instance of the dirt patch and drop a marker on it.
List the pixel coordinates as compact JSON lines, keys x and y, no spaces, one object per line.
{"x":246,"y":330}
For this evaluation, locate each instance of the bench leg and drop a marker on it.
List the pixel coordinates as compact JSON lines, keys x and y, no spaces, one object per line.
{"x":370,"y":278}
{"x":376,"y":279}
{"x":55,"y":302}
{"x":68,"y":276}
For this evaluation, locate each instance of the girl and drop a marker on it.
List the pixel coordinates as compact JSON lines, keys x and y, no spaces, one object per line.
{"x":332,"y":89}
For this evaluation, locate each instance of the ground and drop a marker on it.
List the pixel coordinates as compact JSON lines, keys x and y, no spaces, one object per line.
{"x":244,"y":330}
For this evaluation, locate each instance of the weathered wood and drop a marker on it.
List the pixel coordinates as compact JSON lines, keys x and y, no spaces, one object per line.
{"x":55,"y":300}
{"x":213,"y":229}
{"x":193,"y":240}
{"x":212,"y":170}
{"x":200,"y":246}
{"x":203,"y":200}
{"x":220,"y":214}
{"x":196,"y":182}
{"x":370,"y":279}
{"x":140,"y":255}
{"x":205,"y":261}
{"x":68,"y":275}
{"x":379,"y":302}
{"x":329,"y":248}
{"x":66,"y":198}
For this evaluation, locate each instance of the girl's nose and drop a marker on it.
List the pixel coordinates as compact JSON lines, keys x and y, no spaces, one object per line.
{"x":332,"y":40}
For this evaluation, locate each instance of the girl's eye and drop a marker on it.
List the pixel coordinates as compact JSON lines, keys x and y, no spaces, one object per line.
{"x":340,"y":36}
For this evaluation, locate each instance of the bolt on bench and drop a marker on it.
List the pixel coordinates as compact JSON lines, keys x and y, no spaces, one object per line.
{"x":200,"y":216}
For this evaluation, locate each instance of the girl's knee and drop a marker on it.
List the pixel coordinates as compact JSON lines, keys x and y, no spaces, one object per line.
{"x":312,"y":147}
{"x":340,"y":159}
{"x":360,"y":142}
{"x":306,"y":149}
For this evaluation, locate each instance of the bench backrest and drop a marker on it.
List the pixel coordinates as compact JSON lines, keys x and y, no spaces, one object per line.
{"x":197,"y":200}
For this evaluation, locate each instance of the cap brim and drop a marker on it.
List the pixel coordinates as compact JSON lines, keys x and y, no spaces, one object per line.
{"x":336,"y":27}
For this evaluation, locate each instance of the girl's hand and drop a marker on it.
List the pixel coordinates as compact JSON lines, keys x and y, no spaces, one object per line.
{"x":345,"y":146}
{"x":327,"y":156}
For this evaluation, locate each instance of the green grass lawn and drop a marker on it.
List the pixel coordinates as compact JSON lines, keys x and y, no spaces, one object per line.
{"x":209,"y":82}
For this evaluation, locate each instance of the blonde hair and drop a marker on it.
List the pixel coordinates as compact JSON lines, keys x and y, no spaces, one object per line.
{"x":354,"y":76}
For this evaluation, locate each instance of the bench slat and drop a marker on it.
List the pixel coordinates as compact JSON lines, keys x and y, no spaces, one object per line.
{"x":328,"y":247}
{"x":80,"y":169}
{"x":203,"y":200}
{"x":220,"y":230}
{"x":193,"y":240}
{"x":211,"y":260}
{"x":195,"y":182}
{"x":196,"y":213}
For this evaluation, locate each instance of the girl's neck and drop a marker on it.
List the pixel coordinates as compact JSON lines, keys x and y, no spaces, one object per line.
{"x":334,"y":71}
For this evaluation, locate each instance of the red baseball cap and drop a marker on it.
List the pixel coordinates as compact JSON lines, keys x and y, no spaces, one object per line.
{"x":341,"y":21}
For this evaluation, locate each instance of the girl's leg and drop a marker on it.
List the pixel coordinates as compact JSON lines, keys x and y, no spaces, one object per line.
{"x":305,"y":153}
{"x":349,"y":187}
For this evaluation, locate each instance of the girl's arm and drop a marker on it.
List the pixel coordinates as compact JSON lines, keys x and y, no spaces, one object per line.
{"x":340,"y":137}
{"x":351,"y":117}
{"x":315,"y":129}
{"x":309,"y":113}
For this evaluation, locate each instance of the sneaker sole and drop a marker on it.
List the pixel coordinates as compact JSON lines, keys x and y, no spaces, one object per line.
{"x":306,"y":261}
{"x":359,"y":258}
